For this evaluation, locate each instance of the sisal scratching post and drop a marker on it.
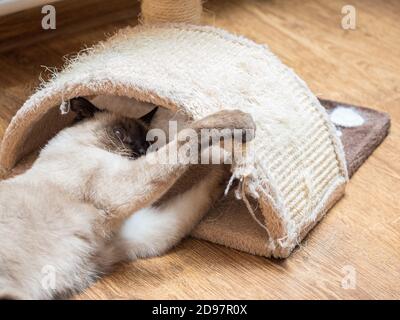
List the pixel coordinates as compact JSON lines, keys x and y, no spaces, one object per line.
{"x":159,"y":11}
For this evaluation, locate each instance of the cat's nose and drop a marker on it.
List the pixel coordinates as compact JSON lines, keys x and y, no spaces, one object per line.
{"x":142,"y":151}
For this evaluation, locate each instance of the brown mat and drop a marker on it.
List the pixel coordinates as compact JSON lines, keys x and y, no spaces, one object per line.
{"x":360,"y":142}
{"x":230,"y":222}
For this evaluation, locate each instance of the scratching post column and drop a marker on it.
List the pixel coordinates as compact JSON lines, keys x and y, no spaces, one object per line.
{"x":158,"y":11}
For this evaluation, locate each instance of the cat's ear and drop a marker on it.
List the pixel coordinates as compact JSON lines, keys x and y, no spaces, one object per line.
{"x":83,"y":108}
{"x":148,"y":116}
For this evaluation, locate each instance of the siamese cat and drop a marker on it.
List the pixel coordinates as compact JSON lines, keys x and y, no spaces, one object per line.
{"x":94,"y":198}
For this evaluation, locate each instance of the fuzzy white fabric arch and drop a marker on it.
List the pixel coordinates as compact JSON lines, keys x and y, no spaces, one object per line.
{"x":299,"y":171}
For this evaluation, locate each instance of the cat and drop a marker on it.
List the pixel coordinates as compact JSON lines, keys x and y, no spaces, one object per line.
{"x":94,"y":198}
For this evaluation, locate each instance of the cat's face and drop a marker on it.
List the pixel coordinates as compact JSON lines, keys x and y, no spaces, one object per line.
{"x":121,"y":135}
{"x":126,"y":137}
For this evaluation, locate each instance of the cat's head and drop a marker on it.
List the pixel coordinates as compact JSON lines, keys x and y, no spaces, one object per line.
{"x":118,"y":134}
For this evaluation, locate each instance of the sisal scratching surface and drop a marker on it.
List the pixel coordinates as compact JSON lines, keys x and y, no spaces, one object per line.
{"x":229,"y":223}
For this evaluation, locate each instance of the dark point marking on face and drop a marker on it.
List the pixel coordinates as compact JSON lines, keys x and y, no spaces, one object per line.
{"x":127,"y":136}
{"x":130,"y":136}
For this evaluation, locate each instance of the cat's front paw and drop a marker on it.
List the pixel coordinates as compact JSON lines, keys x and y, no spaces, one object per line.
{"x":240,"y":123}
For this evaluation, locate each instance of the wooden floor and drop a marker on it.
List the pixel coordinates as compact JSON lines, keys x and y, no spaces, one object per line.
{"x":360,"y":236}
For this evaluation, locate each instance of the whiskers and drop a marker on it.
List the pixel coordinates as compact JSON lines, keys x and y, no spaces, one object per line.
{"x":114,"y":144}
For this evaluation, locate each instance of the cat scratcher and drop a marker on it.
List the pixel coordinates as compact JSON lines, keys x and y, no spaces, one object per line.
{"x":299,"y":170}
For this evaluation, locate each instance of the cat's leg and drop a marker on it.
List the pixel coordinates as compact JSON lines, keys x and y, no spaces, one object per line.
{"x":125,"y":186}
{"x":154,"y":230}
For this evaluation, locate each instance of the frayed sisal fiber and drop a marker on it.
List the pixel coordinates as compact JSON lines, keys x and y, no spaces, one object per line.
{"x":299,"y":170}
